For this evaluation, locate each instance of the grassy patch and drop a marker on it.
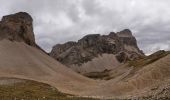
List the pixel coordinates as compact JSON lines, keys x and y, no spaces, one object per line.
{"x":31,"y":90}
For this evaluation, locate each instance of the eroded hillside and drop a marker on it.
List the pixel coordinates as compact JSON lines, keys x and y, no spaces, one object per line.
{"x":143,"y":78}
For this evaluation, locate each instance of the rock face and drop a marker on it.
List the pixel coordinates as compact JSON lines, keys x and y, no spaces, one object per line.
{"x":18,"y":27}
{"x":122,"y":44}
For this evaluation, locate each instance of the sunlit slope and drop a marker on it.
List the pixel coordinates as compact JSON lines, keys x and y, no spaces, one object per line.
{"x":22,"y":61}
{"x":145,"y":78}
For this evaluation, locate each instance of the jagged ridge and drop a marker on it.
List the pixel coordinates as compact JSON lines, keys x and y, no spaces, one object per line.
{"x":122,"y":44}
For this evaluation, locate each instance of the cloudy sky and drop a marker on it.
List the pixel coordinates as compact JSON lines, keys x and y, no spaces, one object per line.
{"x":58,"y":21}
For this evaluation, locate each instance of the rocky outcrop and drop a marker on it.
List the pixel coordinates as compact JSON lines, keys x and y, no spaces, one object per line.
{"x":122,"y":44}
{"x":18,"y":27}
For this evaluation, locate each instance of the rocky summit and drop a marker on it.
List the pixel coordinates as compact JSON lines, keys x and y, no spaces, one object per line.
{"x":121,"y":44}
{"x":17,"y":27}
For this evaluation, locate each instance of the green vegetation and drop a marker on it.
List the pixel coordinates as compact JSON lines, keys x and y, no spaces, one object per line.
{"x":31,"y":90}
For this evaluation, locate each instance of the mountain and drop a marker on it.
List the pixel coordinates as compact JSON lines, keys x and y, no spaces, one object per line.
{"x":86,"y":54}
{"x":20,"y":57}
{"x":26,"y":72}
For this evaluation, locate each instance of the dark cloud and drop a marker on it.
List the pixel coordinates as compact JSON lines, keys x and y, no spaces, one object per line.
{"x":58,"y":21}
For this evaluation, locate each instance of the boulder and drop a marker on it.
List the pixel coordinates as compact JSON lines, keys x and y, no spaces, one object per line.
{"x":18,"y":27}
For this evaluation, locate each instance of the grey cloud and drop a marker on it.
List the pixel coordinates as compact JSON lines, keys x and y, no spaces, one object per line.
{"x":58,"y":21}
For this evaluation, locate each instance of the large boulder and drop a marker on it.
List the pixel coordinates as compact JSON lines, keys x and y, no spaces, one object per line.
{"x":18,"y":27}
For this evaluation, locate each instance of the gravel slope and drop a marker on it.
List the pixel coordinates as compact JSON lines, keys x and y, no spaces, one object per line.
{"x":22,"y":61}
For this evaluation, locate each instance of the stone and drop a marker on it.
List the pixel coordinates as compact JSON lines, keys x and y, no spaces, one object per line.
{"x":18,"y":27}
{"x":122,"y":44}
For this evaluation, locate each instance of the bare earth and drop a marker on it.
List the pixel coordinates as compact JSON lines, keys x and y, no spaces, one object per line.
{"x":22,"y":61}
{"x":98,"y":64}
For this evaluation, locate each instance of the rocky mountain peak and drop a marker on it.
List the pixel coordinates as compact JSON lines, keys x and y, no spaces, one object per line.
{"x":89,"y":40}
{"x":18,"y":17}
{"x":18,"y":27}
{"x":121,"y":44}
{"x":125,"y":33}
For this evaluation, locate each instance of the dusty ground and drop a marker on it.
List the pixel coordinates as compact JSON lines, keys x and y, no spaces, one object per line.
{"x":99,"y":64}
{"x":22,"y":61}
